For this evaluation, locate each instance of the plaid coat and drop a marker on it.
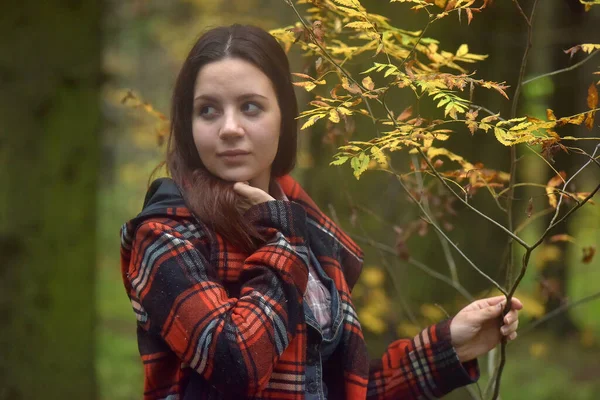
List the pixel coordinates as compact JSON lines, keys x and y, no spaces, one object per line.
{"x":237,"y":319}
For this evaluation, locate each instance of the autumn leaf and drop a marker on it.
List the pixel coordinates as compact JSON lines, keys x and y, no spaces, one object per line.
{"x":334,"y":116}
{"x":405,"y":114}
{"x":589,"y":120}
{"x":551,"y":185}
{"x":538,"y":350}
{"x":530,"y":207}
{"x":563,"y":237}
{"x":592,"y":97}
{"x":469,"y":15}
{"x":368,"y":83}
{"x":351,"y":88}
{"x":588,"y":254}
{"x":308,"y":86}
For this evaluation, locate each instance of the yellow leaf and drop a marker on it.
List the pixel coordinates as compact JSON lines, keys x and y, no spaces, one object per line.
{"x":592,"y":97}
{"x":348,"y":3}
{"x":589,"y":47}
{"x":371,"y":322}
{"x":344,"y":111}
{"x":547,"y":253}
{"x":432,"y":312}
{"x":408,"y":330}
{"x":538,"y":350}
{"x":306,"y":85}
{"x":334,"y":116}
{"x":372,"y":276}
{"x":359,"y":25}
{"x":434,"y":152}
{"x":551,"y":185}
{"x":311,"y":121}
{"x":532,"y":306}
{"x":502,"y":136}
{"x":368,"y":83}
{"x":462,"y":50}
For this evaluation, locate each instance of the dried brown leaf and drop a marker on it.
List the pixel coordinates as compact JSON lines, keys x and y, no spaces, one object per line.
{"x":589,"y":120}
{"x":405,"y":114}
{"x":588,"y":254}
{"x":592,"y":97}
{"x":530,"y":207}
{"x":551,"y":185}
{"x":562,"y":237}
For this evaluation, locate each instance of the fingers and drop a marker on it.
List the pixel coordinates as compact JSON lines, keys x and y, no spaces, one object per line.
{"x":507,"y":330}
{"x":253,"y":194}
{"x":511,"y":323}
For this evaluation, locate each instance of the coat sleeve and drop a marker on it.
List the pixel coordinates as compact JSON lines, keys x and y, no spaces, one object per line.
{"x":231,"y":342}
{"x":425,"y":367}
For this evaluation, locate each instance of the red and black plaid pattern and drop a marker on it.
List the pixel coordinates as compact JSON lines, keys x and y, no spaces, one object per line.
{"x":238,"y":321}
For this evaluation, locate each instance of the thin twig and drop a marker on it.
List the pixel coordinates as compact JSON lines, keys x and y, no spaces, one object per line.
{"x":569,"y":180}
{"x":557,"y":311}
{"x":560,"y":71}
{"x":475,"y":267}
{"x":509,"y":206}
{"x":499,"y":225}
{"x":418,"y":264}
{"x":445,"y":248}
{"x":554,"y":221}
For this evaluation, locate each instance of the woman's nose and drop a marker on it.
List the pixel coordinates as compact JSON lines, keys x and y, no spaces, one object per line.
{"x":231,"y":127}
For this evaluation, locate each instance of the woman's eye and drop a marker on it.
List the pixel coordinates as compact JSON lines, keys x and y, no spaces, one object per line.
{"x":251,"y":108}
{"x":207,"y":111}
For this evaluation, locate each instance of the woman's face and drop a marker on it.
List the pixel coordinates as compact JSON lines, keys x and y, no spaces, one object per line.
{"x":236,"y":121}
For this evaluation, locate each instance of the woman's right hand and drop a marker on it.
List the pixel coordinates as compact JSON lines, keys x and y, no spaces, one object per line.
{"x":250,"y":195}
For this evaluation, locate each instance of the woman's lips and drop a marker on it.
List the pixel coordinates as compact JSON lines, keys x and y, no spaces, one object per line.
{"x":233,"y":155}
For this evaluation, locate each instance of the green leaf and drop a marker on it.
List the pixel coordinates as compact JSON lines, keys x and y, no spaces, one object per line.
{"x":340,"y":160}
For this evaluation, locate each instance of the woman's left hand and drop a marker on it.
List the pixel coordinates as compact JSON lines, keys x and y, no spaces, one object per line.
{"x":477,"y":329}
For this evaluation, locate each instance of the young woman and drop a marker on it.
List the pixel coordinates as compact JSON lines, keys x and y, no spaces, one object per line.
{"x":240,"y":284}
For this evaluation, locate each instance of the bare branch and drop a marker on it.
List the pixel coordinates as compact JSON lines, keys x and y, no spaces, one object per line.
{"x":513,"y":174}
{"x":554,"y":221}
{"x":475,"y":267}
{"x":437,"y":174}
{"x":560,"y":71}
{"x":447,"y":253}
{"x":558,"y":311}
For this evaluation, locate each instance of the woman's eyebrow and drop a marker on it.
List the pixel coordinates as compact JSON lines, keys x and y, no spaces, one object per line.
{"x":245,"y":96}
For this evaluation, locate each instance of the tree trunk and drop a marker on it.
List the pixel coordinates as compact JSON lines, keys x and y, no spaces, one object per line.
{"x":50,"y":72}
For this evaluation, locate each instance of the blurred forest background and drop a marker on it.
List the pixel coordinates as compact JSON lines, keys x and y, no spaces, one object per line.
{"x":78,"y":147}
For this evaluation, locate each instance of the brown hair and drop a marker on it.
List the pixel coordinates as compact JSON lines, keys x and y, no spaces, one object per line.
{"x":209,"y":197}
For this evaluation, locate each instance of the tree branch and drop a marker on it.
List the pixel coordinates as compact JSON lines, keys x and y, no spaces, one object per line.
{"x":558,"y":311}
{"x":475,"y":267}
{"x":509,"y":206}
{"x":437,"y":174}
{"x":560,"y":71}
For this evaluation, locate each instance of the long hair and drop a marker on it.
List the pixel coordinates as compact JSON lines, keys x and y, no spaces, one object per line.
{"x":210,"y":198}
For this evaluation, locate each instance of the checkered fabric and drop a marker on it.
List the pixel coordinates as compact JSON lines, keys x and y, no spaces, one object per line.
{"x":237,"y":319}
